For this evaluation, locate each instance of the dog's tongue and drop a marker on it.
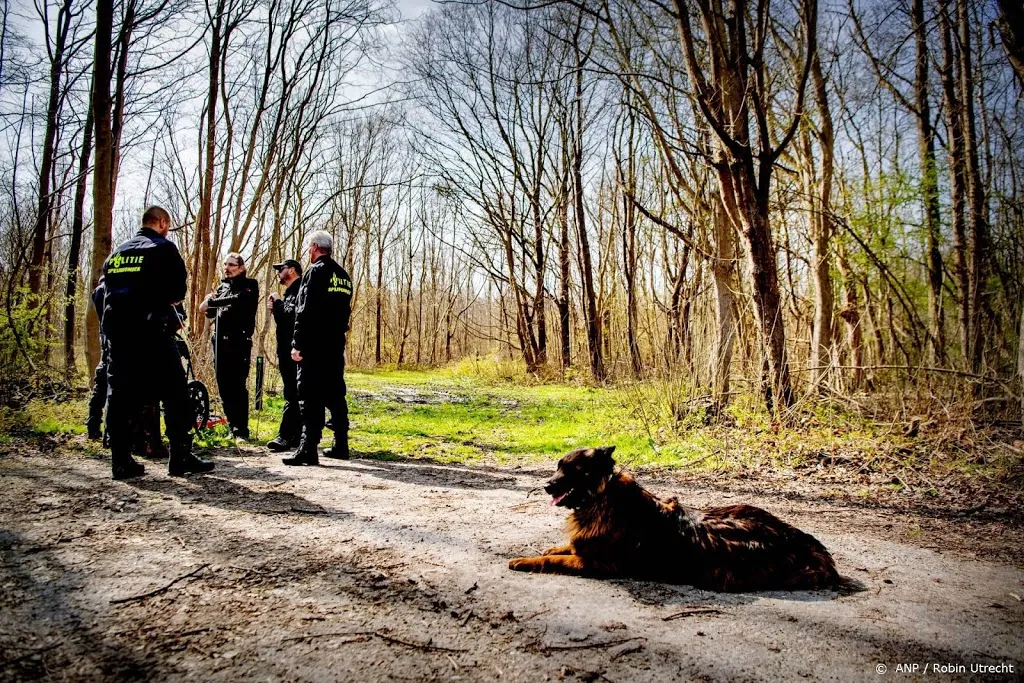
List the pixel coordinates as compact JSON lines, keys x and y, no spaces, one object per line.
{"x":555,"y":500}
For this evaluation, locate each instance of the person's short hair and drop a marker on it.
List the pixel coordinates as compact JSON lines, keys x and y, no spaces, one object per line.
{"x":236,"y":255}
{"x":154,"y":215}
{"x":323,"y":241}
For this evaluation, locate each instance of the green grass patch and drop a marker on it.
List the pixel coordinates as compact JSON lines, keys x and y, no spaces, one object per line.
{"x":465,"y":419}
{"x":471,"y":414}
{"x":45,"y":417}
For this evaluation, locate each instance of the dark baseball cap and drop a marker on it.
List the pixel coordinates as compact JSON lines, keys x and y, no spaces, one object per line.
{"x":289,"y":263}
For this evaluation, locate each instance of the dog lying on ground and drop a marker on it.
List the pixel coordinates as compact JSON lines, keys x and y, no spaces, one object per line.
{"x":619,"y":529}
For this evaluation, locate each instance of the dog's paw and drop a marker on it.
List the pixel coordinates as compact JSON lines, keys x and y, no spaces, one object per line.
{"x":559,"y":550}
{"x":520,"y":564}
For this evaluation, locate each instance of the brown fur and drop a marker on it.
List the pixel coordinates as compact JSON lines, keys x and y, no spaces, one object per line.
{"x":619,"y":529}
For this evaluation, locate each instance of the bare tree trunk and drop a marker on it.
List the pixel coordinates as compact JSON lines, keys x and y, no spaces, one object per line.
{"x":590,"y":312}
{"x":103,"y":171}
{"x":564,"y":320}
{"x":977,"y":240}
{"x":203,"y":246}
{"x":957,"y":169}
{"x":125,"y":32}
{"x":1020,"y":359}
{"x":723,"y":271}
{"x":929,"y":186}
{"x":45,"y":201}
{"x":378,"y":326}
{"x":539,"y":261}
{"x":75,"y":252}
{"x":1011,"y":28}
{"x":821,"y":236}
{"x":593,"y":322}
{"x":736,"y":104}
{"x":626,"y":172}
{"x":850,"y":314}
{"x":760,"y":248}
{"x":674,"y":336}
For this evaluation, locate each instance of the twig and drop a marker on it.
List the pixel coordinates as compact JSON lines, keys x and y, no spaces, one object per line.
{"x":629,"y":649}
{"x":38,"y":650}
{"x":588,"y":646}
{"x":378,"y":634}
{"x":418,"y":646}
{"x":158,"y":591}
{"x":361,"y":637}
{"x":536,"y":614}
{"x":691,"y":612}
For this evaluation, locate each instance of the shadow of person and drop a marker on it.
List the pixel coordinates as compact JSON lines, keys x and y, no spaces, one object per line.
{"x":228,"y":495}
{"x":50,"y":628}
{"x":395,"y":467}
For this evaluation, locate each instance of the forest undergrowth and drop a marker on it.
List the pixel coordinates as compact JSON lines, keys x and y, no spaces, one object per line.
{"x":962,"y":456}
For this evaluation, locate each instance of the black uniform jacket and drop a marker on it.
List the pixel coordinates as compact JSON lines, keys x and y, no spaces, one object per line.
{"x":322,"y":312}
{"x":142,"y":281}
{"x":284,"y":317}
{"x":98,"y":295}
{"x":237,"y":299}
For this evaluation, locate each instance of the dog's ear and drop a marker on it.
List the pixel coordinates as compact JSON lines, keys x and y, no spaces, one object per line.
{"x":603,"y":455}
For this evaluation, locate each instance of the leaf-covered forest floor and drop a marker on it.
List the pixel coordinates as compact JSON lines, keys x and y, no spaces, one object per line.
{"x":393,"y":566}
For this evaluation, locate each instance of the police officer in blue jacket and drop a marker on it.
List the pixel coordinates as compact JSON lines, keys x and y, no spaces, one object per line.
{"x":143,"y":280}
{"x":318,"y":345}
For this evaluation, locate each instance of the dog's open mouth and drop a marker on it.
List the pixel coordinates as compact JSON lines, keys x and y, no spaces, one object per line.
{"x":555,"y":500}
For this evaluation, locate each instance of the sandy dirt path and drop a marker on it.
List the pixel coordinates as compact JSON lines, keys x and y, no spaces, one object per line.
{"x":397,"y":570}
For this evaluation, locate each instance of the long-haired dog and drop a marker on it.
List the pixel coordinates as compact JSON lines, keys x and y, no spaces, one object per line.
{"x":619,"y":529}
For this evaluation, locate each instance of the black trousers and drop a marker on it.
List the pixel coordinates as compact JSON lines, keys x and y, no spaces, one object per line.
{"x":322,"y":387}
{"x":291,"y":418}
{"x":145,"y":369}
{"x":232,"y":359}
{"x":98,"y":398}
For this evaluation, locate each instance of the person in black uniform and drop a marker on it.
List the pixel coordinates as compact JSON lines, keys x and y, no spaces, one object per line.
{"x":147,"y":441}
{"x":233,"y":305}
{"x":98,"y":398}
{"x":318,"y":346}
{"x":143,"y":280}
{"x":283,"y":308}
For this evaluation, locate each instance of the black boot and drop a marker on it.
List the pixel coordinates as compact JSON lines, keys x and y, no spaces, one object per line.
{"x":339,"y":451}
{"x":306,"y":455}
{"x":125,"y":467}
{"x":182,"y":462}
{"x":93,"y":430}
{"x":279,"y":444}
